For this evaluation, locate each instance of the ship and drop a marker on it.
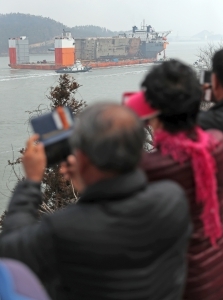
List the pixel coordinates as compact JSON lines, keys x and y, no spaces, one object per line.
{"x":139,"y":46}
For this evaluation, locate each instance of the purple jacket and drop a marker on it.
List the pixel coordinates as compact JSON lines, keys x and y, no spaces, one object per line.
{"x":205,"y":263}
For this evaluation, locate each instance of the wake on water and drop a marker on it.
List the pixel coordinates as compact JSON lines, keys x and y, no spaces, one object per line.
{"x":22,"y":77}
{"x":80,"y":75}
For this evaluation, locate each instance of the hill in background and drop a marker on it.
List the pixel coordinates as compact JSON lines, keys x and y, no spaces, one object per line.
{"x":39,"y":29}
{"x":207,"y":35}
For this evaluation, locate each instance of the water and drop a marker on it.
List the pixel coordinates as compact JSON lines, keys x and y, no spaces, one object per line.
{"x":24,"y":90}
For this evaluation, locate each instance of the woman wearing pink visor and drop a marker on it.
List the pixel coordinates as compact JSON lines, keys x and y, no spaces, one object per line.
{"x":193,"y":158}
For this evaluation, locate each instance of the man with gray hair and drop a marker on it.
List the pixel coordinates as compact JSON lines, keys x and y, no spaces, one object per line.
{"x":124,"y":239}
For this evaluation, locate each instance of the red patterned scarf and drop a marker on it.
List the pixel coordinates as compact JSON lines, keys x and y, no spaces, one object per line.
{"x":181,"y":148}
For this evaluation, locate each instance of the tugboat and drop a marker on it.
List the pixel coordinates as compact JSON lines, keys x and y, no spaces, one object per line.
{"x":161,"y":60}
{"x":77,"y":68}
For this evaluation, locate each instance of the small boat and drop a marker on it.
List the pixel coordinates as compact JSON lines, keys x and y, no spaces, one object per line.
{"x":78,"y":67}
{"x":162,"y":60}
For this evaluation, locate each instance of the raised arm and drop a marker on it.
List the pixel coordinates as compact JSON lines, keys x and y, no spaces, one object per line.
{"x":24,"y":237}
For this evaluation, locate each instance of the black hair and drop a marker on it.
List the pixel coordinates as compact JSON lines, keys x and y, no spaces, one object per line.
{"x":217,"y":65}
{"x":174,"y":89}
{"x":111,"y":136}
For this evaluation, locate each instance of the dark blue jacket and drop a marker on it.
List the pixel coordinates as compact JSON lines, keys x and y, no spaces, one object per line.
{"x":124,"y":239}
{"x":213,"y":118}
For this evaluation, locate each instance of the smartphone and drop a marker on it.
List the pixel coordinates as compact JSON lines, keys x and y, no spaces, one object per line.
{"x":205,"y":77}
{"x":55,"y":129}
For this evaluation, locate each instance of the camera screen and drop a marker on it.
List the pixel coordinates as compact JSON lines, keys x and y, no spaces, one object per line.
{"x":207,"y":77}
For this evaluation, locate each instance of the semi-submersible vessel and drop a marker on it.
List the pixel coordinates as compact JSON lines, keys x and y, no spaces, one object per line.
{"x":142,"y":45}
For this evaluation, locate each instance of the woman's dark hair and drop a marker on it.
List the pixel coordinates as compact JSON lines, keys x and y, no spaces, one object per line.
{"x":174,"y":89}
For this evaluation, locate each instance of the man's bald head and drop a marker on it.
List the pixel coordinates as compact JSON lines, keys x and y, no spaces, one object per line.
{"x":110,"y":135}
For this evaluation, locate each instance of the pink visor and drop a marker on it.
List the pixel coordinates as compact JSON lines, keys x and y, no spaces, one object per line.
{"x":137,"y":102}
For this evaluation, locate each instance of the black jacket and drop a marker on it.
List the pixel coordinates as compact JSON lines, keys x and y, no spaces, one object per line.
{"x":124,"y":239}
{"x":213,"y":118}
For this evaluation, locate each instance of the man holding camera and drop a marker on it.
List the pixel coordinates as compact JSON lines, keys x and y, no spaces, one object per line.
{"x":213,"y":118}
{"x":124,"y":239}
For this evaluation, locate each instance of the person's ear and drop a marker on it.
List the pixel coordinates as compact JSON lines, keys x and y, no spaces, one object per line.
{"x":215,"y":83}
{"x":155,"y":123}
{"x":82,"y":161}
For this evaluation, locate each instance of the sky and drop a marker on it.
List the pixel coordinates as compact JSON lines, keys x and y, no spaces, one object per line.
{"x":183,"y":17}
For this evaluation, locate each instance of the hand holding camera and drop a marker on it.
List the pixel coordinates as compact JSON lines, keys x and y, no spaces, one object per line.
{"x":54,"y":130}
{"x":34,"y":159}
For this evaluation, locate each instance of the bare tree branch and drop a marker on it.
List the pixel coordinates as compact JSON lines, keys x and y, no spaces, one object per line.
{"x":56,"y":191}
{"x":206,"y":53}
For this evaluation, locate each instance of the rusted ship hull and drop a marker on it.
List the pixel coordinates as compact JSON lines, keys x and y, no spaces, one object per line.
{"x":35,"y":66}
{"x":94,"y":64}
{"x":127,"y":62}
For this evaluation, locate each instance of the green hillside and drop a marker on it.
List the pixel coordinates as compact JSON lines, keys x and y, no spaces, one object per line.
{"x":39,"y":29}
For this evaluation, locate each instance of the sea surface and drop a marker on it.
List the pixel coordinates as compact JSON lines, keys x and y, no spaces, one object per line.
{"x":22,"y":91}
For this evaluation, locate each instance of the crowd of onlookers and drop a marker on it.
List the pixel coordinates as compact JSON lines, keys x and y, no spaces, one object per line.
{"x":148,"y":225}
